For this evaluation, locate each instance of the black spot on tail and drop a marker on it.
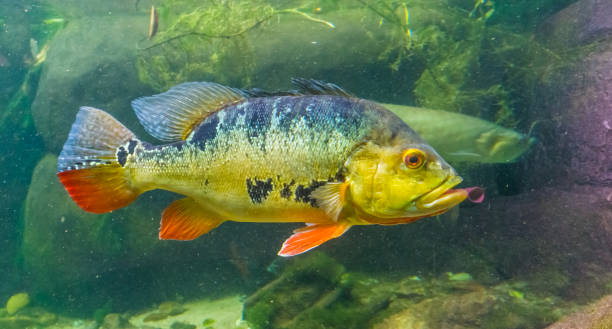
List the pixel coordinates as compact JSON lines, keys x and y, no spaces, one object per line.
{"x":122,"y":156}
{"x":302,"y":193}
{"x":258,"y":190}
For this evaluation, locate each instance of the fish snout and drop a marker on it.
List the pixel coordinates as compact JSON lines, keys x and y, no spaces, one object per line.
{"x":442,"y":197}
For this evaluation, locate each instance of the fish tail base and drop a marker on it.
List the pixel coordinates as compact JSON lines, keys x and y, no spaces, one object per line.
{"x":91,"y":164}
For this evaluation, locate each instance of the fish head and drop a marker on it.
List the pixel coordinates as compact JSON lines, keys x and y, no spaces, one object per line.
{"x":398,"y":184}
{"x":500,"y":145}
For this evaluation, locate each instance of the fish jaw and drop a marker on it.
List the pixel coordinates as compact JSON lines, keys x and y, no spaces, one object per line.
{"x":441,"y":198}
{"x":433,"y":203}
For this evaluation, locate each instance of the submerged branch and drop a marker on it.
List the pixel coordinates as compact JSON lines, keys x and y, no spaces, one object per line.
{"x":243,"y":31}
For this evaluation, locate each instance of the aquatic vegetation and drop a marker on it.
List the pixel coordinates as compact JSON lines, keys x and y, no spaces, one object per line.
{"x":402,"y":38}
{"x":516,"y":294}
{"x":100,"y":313}
{"x":193,"y":46}
{"x":359,"y":301}
{"x":20,"y":96}
{"x":453,"y":81}
{"x":531,"y":12}
{"x":462,"y":276}
{"x":483,"y":9}
{"x":311,"y":292}
{"x":182,"y":325}
{"x":469,"y":66}
{"x":17,"y":302}
{"x":177,"y":55}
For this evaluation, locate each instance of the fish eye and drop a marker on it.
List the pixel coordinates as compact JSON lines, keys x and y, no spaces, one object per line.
{"x":414,"y":158}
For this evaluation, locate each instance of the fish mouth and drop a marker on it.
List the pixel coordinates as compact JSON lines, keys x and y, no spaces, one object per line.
{"x":442,"y":198}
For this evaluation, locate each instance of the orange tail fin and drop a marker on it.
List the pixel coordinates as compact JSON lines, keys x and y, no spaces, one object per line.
{"x":91,"y":164}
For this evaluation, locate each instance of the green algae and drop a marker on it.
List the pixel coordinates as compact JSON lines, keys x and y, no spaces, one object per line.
{"x":468,"y":65}
{"x":192,"y":45}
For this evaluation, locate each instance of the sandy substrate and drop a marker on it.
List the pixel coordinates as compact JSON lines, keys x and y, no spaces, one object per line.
{"x":226,"y":312}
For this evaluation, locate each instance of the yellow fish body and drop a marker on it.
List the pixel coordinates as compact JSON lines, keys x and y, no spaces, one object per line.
{"x":317,"y":155}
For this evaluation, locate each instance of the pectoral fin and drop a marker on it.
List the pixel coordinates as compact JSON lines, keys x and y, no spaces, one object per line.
{"x":331,"y":197}
{"x":184,"y":219}
{"x":310,"y":237}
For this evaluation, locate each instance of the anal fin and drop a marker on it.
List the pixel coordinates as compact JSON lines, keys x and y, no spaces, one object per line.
{"x":309,"y":237}
{"x":184,"y":219}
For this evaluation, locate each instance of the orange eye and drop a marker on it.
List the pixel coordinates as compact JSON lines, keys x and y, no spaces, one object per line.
{"x":414,"y":158}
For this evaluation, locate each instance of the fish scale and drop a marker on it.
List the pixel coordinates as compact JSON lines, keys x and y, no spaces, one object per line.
{"x":280,"y":140}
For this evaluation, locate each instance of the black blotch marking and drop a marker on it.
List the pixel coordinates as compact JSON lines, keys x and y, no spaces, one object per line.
{"x":206,"y":182}
{"x":122,"y":156}
{"x":131,"y":146}
{"x":231,"y":116}
{"x":286,"y":191}
{"x":149,"y":146}
{"x":302,"y":193}
{"x":177,"y":145}
{"x":206,"y":131}
{"x":258,"y":189}
{"x":340,"y":175}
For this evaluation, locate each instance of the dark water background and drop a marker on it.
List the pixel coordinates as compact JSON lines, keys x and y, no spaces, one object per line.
{"x":545,"y":229}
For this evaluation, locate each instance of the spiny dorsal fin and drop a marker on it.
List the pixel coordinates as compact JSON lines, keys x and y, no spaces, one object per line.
{"x":304,"y":87}
{"x":172,"y":115}
{"x":316,"y":87}
{"x":257,"y":92}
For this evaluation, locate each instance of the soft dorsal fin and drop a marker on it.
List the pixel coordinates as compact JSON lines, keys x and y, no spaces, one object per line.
{"x":316,"y":87}
{"x":172,"y":115}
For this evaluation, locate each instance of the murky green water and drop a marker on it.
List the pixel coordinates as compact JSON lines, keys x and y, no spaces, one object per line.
{"x":513,"y":94}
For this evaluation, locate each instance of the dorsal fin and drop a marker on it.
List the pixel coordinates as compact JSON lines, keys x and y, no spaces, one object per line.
{"x":258,"y":92}
{"x":172,"y":115}
{"x":304,"y":87}
{"x":317,"y":87}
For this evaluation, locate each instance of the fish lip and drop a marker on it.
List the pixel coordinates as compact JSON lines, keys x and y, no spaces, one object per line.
{"x":442,"y":197}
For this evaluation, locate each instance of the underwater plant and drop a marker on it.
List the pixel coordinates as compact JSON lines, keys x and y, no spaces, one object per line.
{"x":193,"y":46}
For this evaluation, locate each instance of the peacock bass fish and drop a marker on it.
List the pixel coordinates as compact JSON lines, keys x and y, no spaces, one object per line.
{"x":316,"y":155}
